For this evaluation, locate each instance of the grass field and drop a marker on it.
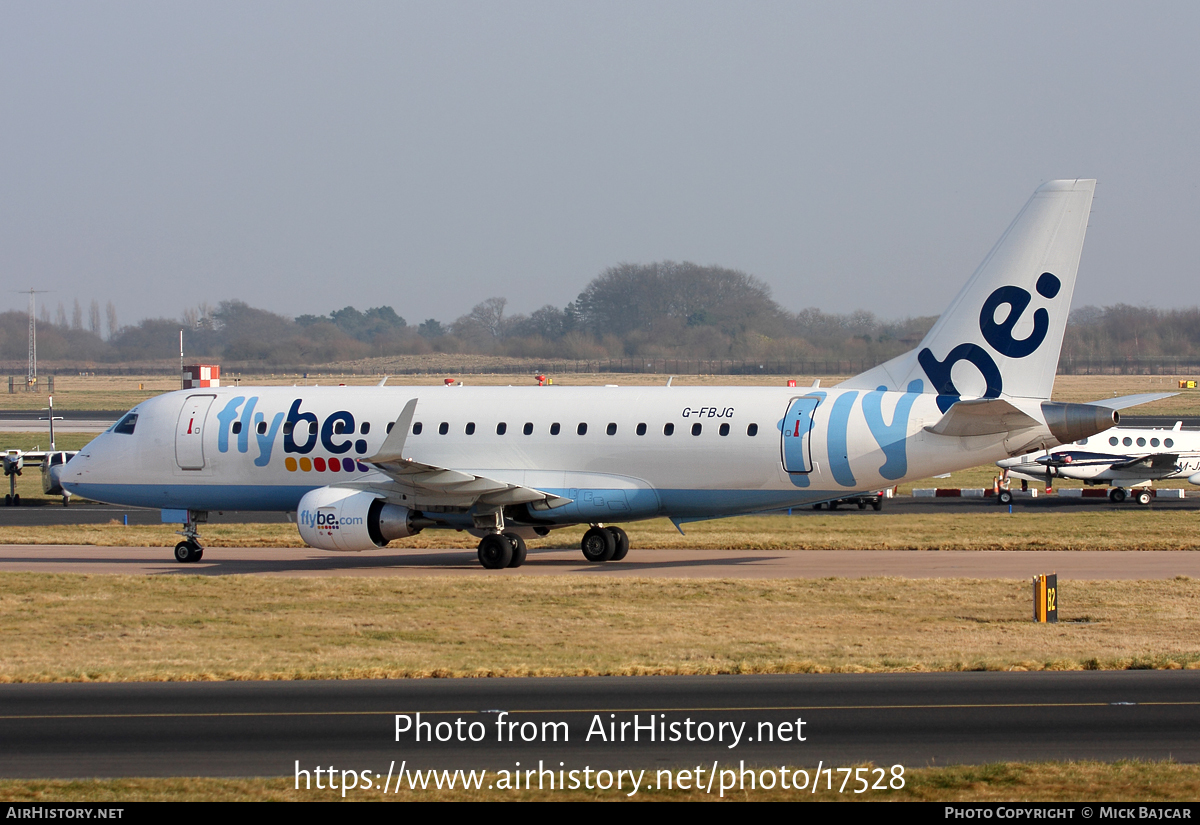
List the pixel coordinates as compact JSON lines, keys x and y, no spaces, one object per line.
{"x":123,"y":392}
{"x":1000,"y":782}
{"x":67,"y":627}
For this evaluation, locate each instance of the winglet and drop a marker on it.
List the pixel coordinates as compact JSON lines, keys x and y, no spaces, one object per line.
{"x":393,"y":445}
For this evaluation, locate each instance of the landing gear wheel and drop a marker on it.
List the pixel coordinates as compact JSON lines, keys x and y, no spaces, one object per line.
{"x":495,"y":551}
{"x":1116,"y":495}
{"x":1005,"y":497}
{"x":877,"y":504}
{"x":519,"y":549}
{"x":622,"y":540}
{"x":187,"y":552}
{"x":66,"y":500}
{"x":7,"y":500}
{"x":833,"y":505}
{"x":862,"y":505}
{"x":818,"y":506}
{"x":1143,"y":497}
{"x":17,"y":500}
{"x":598,"y":545}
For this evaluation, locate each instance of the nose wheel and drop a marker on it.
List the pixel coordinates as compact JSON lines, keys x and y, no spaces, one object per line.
{"x":187,"y":552}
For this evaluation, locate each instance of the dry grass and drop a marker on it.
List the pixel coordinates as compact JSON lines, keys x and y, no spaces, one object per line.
{"x":988,"y":527}
{"x":123,"y":392}
{"x":1000,"y":782}
{"x":137,"y":628}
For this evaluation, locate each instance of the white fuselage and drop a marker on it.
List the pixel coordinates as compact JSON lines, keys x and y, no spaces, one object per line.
{"x":730,"y":450}
{"x":1098,"y":459}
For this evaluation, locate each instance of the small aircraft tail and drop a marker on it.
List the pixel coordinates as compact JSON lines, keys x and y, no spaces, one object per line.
{"x":1002,"y":334}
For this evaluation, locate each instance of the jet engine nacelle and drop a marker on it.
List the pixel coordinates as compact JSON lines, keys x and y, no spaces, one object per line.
{"x":332,"y":518}
{"x":1071,"y":422}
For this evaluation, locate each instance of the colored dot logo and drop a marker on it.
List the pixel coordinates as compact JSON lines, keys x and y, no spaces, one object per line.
{"x":319,"y":464}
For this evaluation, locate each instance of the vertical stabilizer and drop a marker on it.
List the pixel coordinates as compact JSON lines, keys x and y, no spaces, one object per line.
{"x":1001,"y":335}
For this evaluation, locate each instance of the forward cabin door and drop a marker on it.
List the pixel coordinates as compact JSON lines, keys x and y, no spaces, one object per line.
{"x":189,"y":432}
{"x":797,"y":434}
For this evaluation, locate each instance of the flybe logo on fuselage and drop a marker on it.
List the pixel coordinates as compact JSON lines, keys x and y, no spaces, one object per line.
{"x":998,"y":335}
{"x":303,"y":432}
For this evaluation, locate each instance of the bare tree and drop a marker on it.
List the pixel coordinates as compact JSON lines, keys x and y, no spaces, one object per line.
{"x":112,"y":320}
{"x":61,"y":316}
{"x":94,"y":316}
{"x":77,"y":316}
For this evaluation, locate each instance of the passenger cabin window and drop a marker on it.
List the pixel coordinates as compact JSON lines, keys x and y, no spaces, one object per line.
{"x":555,"y":428}
{"x":1081,"y":442}
{"x":470,"y":428}
{"x":237,"y":427}
{"x":1154,"y":442}
{"x":612,"y":429}
{"x":752,"y":430}
{"x":339,"y":427}
{"x":1113,"y":441}
{"x":669,"y":429}
{"x":417,"y":427}
{"x":262,"y":428}
{"x":696,"y":428}
{"x":365,"y":428}
{"x":125,"y":425}
{"x":312,"y":428}
{"x":641,"y":429}
{"x":1169,"y":443}
{"x":1127,"y":441}
{"x":581,"y":429}
{"x":390,"y":425}
{"x":1141,"y":442}
{"x":287,"y":427}
{"x":501,"y":428}
{"x":724,"y":429}
{"x":443,"y":428}
{"x":528,"y":428}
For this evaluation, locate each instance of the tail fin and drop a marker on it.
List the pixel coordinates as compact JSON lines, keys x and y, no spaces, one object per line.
{"x":1001,"y":335}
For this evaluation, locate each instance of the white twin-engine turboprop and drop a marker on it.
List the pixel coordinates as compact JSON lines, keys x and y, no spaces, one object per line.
{"x":361,"y":466}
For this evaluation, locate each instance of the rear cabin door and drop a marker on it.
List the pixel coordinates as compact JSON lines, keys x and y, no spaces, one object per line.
{"x":797,"y":434}
{"x":189,"y":432}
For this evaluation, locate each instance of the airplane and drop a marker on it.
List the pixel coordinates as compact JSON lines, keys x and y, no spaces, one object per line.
{"x":1125,"y":457}
{"x":51,"y":461}
{"x":363,"y":466}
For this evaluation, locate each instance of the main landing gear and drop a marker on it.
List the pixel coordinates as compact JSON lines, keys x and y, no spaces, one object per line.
{"x":601,"y":544}
{"x":500,"y":550}
{"x":189,"y":550}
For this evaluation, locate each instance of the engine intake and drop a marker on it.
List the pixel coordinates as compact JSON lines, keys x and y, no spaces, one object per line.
{"x":1071,"y":422}
{"x":331,"y":518}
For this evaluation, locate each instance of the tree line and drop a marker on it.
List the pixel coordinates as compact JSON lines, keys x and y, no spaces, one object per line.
{"x":658,"y":310}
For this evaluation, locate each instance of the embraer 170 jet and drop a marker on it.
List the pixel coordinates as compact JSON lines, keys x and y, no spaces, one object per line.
{"x":361,"y":466}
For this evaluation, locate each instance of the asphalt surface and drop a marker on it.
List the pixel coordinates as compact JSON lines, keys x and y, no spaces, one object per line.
{"x":263,"y":728}
{"x":1113,"y":565}
{"x":49,"y":512}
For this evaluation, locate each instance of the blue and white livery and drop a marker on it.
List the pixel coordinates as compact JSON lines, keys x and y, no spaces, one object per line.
{"x":363,"y":466}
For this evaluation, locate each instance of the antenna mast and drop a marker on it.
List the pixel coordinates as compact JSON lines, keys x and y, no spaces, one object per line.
{"x":31,"y":375}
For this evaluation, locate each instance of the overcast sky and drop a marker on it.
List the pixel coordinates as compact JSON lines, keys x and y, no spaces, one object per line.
{"x":306,"y":156}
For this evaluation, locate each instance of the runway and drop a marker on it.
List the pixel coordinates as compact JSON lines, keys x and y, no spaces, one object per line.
{"x":264,"y":728}
{"x":677,"y":564}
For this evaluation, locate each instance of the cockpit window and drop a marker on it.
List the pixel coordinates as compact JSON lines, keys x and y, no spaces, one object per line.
{"x":125,"y":425}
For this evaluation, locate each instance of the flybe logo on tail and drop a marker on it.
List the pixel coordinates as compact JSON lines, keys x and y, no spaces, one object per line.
{"x":998,"y":335}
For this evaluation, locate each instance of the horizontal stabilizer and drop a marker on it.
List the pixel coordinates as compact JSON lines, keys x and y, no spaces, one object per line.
{"x":982,"y":416}
{"x":1126,"y":401}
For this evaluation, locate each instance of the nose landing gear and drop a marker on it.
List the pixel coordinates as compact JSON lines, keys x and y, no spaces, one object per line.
{"x":189,"y":550}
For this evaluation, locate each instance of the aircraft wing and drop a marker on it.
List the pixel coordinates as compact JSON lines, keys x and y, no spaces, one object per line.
{"x":1156,"y":462}
{"x":982,"y":416}
{"x":430,"y":481}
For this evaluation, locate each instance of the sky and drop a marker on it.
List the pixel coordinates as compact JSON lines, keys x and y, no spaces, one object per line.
{"x":305,"y":156}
